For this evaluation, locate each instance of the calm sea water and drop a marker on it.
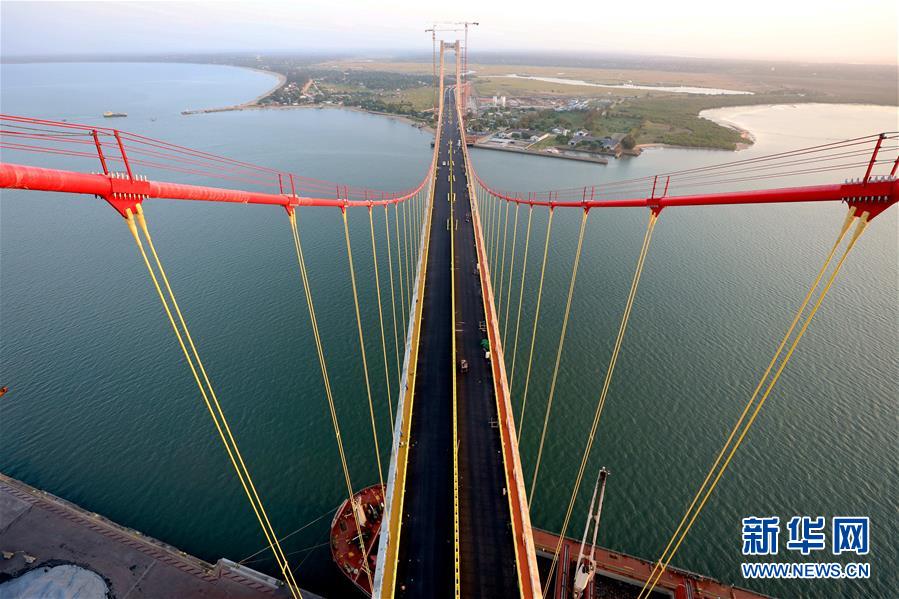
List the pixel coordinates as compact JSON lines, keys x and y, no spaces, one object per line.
{"x":103,"y":410}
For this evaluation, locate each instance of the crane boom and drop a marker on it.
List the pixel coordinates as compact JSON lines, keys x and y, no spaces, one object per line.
{"x":586,"y":564}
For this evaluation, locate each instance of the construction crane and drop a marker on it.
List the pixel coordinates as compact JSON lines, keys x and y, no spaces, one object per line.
{"x":464,"y":28}
{"x":586,"y":564}
{"x":433,"y":31}
{"x":465,"y":25}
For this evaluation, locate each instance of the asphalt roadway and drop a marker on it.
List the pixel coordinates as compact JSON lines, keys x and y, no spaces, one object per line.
{"x":426,"y":551}
{"x":486,"y":543}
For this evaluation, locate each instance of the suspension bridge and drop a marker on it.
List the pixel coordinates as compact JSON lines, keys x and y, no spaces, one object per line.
{"x":452,"y":510}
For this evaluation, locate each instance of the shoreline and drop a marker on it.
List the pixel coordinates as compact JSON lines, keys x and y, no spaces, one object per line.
{"x":601,"y":160}
{"x":282,"y":79}
{"x":649,"y":146}
{"x":253,"y":105}
{"x":744,"y":133}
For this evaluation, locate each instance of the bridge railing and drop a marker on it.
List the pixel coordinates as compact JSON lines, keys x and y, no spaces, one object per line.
{"x":871,"y":160}
{"x":125,"y":168}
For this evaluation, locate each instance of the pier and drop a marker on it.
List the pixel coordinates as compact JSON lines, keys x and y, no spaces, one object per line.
{"x":40,"y":530}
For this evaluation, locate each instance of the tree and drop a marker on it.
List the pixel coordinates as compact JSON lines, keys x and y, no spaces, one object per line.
{"x":591,"y":117}
{"x":628,"y":142}
{"x":562,"y":139}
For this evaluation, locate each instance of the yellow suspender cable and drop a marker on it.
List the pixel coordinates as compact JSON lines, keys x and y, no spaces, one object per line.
{"x":494,"y":235}
{"x":410,"y":251}
{"x":527,"y":378}
{"x":600,"y":404}
{"x":524,"y":269}
{"x":488,"y":232}
{"x":401,"y":253}
{"x":327,"y":382}
{"x":502,"y":268}
{"x":419,"y":222}
{"x":371,"y":409}
{"x":488,"y":213}
{"x":405,"y":208}
{"x":418,"y":209}
{"x":552,"y":387}
{"x":218,"y":416}
{"x":847,"y":222}
{"x":413,"y":227}
{"x":374,"y":258}
{"x":667,"y":555}
{"x":511,"y":270}
{"x":477,"y":204}
{"x":399,"y":269}
{"x":413,"y":240}
{"x":478,"y":194}
{"x":396,"y":345}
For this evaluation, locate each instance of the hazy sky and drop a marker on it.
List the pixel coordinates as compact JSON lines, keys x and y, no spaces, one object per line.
{"x":824,"y":30}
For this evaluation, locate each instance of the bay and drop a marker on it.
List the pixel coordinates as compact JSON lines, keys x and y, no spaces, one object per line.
{"x":103,"y":411}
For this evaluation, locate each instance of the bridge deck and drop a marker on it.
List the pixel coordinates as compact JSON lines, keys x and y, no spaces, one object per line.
{"x":426,"y":548}
{"x":425,"y":555}
{"x":488,"y":566}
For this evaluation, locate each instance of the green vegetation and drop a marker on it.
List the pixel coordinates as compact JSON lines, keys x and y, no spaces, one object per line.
{"x":506,"y":86}
{"x":667,"y":119}
{"x":633,"y":116}
{"x":675,"y":121}
{"x":405,"y":94}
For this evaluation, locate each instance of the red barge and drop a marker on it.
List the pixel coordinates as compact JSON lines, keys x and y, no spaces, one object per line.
{"x":346,"y":551}
{"x":618,"y":575}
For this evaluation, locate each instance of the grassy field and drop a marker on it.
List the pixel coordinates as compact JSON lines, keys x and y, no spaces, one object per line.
{"x":872,"y":84}
{"x":418,"y":98}
{"x":650,"y":116}
{"x":502,"y":86}
{"x":422,"y":98}
{"x":676,"y":121}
